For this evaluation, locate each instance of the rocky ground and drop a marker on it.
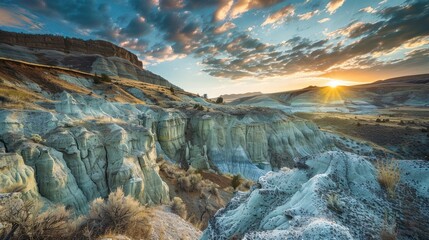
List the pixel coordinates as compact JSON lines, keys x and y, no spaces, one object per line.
{"x":334,"y":195}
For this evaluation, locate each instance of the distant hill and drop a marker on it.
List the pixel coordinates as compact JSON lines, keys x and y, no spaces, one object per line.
{"x":401,"y":91}
{"x":232,"y":97}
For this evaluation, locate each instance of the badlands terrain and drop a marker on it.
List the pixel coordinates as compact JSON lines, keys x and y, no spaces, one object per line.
{"x":81,"y":119}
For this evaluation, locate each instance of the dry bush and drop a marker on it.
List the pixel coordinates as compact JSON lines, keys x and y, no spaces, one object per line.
{"x":36,"y":138}
{"x":388,"y":175}
{"x":333,"y":203}
{"x":190,"y":182}
{"x":119,"y":214}
{"x":179,"y":207}
{"x":213,"y":189}
{"x":23,"y":220}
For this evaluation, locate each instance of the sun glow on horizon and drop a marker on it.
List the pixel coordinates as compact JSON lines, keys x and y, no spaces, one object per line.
{"x":334,"y":83}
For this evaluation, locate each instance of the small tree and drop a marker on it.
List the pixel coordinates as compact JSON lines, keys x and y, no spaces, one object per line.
{"x":219,"y":100}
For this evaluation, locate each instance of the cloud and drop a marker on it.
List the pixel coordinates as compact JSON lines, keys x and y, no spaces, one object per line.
{"x":353,"y":30}
{"x":243,"y":6}
{"x":333,"y":5}
{"x":222,"y":11}
{"x":171,"y":4}
{"x":369,"y":69}
{"x":86,"y":14}
{"x":137,"y":27}
{"x":224,"y":28}
{"x":139,"y":45}
{"x":18,"y":17}
{"x":398,"y":27}
{"x":323,"y":20}
{"x":160,"y":54}
{"x":308,"y":15}
{"x":280,"y":16}
{"x":368,"y":9}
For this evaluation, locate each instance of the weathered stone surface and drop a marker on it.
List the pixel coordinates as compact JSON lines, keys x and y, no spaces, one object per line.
{"x":76,"y":164}
{"x":15,"y":176}
{"x":294,"y":203}
{"x":59,"y":43}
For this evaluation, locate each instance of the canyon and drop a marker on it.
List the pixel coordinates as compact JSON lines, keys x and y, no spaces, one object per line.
{"x":68,"y":137}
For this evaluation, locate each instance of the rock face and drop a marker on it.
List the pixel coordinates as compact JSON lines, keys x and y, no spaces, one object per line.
{"x":250,"y":143}
{"x":76,"y":164}
{"x":16,"y":176}
{"x":63,"y":44}
{"x":93,"y":56}
{"x":334,"y":195}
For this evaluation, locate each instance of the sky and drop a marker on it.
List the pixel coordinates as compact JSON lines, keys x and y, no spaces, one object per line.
{"x":236,"y":46}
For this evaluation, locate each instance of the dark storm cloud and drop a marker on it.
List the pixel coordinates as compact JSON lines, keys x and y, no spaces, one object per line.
{"x":399,"y":25}
{"x":86,"y":14}
{"x":137,"y":27}
{"x":170,"y":4}
{"x":193,"y":4}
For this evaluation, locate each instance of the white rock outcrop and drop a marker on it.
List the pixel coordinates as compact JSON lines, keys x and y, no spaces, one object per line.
{"x":334,"y":195}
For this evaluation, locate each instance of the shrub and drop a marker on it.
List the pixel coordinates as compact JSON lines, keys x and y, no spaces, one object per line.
{"x":219,"y":100}
{"x":388,"y":176}
{"x":172,"y":90}
{"x":179,"y":207}
{"x":118,"y":214}
{"x":236,"y":180}
{"x":24,"y":220}
{"x":101,"y":79}
{"x":36,"y":138}
{"x":333,"y":203}
{"x":378,"y":120}
{"x":191,"y":182}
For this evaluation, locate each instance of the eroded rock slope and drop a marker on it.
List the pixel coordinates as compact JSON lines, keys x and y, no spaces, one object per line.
{"x":333,"y":195}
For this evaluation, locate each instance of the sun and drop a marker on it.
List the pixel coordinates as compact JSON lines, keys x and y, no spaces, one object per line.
{"x":333,"y":83}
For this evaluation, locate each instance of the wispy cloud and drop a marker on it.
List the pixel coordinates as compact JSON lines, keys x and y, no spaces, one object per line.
{"x":333,"y":5}
{"x":308,"y":15}
{"x":324,"y":20}
{"x":17,"y":17}
{"x":280,"y":16}
{"x":368,"y":9}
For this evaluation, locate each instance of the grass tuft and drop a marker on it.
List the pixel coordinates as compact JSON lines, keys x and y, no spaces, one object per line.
{"x":388,"y":176}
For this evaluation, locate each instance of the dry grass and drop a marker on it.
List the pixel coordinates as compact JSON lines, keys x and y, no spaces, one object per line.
{"x":119,"y":214}
{"x":388,"y":175}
